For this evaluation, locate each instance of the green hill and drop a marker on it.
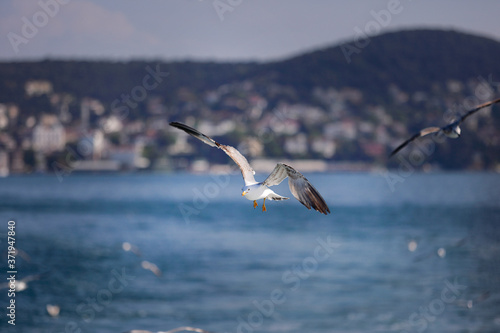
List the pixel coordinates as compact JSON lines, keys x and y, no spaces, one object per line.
{"x":394,"y":85}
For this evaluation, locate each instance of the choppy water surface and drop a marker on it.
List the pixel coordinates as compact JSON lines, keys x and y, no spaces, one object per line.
{"x":422,"y":256}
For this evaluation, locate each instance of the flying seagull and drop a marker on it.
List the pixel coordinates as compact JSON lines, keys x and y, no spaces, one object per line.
{"x":300,"y":187}
{"x":21,"y":284}
{"x":452,"y":130}
{"x":126,"y":246}
{"x":152,"y":267}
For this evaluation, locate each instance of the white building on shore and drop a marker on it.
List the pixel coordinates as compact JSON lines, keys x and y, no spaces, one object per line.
{"x":49,"y":135}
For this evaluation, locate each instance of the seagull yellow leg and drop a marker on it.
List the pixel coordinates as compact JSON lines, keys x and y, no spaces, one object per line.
{"x":264,"y":206}
{"x":254,"y":204}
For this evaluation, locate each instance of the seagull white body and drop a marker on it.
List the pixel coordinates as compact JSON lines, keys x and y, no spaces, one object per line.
{"x":452,"y":130}
{"x":256,"y":191}
{"x":300,"y":187}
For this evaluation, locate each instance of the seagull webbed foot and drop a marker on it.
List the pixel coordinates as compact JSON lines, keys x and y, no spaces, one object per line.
{"x":264,"y":206}
{"x":254,"y":204}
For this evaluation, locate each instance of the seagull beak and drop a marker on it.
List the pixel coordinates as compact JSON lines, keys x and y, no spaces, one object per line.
{"x":243,"y":194}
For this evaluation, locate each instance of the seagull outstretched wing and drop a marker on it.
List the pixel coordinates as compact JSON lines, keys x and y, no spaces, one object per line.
{"x":300,"y":187}
{"x":246,"y":170}
{"x":477,"y":108}
{"x":430,"y":130}
{"x":424,"y":132}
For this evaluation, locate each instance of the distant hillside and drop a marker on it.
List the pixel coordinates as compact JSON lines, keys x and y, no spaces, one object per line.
{"x":412,"y":60}
{"x":391,"y":87}
{"x":106,"y":80}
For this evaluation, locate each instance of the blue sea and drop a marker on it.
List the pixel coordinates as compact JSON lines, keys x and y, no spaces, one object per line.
{"x":418,"y":253}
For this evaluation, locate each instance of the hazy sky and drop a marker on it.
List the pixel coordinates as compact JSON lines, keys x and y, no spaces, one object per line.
{"x":218,"y":29}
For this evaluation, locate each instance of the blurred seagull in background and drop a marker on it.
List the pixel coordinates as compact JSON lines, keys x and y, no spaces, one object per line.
{"x":151,"y":267}
{"x":22,"y":284}
{"x":452,"y":130}
{"x":126,"y":246}
{"x":441,"y":251}
{"x":300,"y":187}
{"x":53,"y":310}
{"x":470,"y":303}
